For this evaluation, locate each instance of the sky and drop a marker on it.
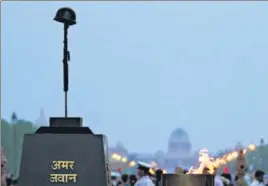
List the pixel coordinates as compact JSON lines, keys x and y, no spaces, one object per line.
{"x":138,"y":70}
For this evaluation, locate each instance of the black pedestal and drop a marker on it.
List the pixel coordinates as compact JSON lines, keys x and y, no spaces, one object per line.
{"x":188,"y":180}
{"x":64,"y":155}
{"x":170,"y":180}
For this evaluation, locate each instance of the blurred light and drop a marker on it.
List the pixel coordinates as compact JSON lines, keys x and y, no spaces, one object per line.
{"x":118,"y":157}
{"x":132,"y":163}
{"x":124,"y":160}
{"x":114,"y":156}
{"x":234,"y":154}
{"x":151,"y":171}
{"x":251,"y":147}
{"x":229,"y":157}
{"x":153,"y":164}
{"x":218,"y":162}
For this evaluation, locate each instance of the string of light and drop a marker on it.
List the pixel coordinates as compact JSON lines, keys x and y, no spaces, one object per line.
{"x":216,"y":163}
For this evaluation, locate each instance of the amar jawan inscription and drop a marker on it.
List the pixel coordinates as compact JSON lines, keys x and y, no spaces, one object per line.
{"x":58,"y":167}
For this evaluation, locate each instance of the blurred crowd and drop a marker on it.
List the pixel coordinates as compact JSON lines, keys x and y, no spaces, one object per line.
{"x":124,"y":180}
{"x":257,"y":178}
{"x":132,"y":179}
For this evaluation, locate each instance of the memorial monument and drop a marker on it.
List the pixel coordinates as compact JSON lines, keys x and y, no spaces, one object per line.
{"x":64,"y":152}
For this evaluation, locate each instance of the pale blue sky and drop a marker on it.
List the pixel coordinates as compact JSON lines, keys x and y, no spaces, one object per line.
{"x":148,"y":67}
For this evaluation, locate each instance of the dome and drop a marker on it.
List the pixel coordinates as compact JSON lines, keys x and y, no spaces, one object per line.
{"x":179,"y":135}
{"x":179,"y":141}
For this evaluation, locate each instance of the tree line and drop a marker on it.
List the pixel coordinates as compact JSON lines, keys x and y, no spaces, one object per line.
{"x":12,"y":140}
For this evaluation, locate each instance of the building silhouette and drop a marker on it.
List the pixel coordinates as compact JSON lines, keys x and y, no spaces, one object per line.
{"x":179,"y":151}
{"x":41,"y":120}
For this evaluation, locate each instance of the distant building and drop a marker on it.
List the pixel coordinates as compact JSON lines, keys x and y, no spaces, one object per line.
{"x":179,"y":152}
{"x":41,"y":120}
{"x":179,"y":142}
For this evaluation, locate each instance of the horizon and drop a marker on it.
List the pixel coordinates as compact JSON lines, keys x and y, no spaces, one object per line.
{"x":120,"y":142}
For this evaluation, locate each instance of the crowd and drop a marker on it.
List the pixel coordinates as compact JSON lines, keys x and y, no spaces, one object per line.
{"x":144,"y":178}
{"x":124,"y":180}
{"x":257,"y":179}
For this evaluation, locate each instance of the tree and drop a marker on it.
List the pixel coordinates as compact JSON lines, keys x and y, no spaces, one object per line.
{"x":14,"y":118}
{"x":262,"y":142}
{"x":20,"y":127}
{"x":258,"y":158}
